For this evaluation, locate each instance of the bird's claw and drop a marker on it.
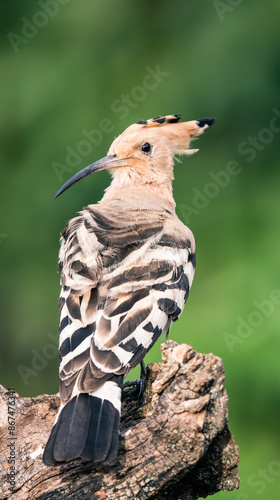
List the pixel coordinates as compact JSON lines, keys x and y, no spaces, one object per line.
{"x":139,"y":383}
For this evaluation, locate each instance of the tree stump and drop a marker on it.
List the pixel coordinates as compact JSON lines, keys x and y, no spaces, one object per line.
{"x":174,"y":444}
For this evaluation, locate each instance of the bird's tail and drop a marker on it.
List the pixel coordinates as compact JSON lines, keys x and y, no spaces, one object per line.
{"x":87,"y":427}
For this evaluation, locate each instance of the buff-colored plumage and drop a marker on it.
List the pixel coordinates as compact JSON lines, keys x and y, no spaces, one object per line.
{"x":127,"y":264}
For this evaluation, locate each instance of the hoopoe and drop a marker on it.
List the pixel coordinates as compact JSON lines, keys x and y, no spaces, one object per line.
{"x":127,"y":265}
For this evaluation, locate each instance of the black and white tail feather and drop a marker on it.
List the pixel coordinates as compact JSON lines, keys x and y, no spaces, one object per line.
{"x":87,"y":427}
{"x":127,"y":266}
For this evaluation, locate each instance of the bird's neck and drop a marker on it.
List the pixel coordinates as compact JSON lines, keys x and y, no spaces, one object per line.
{"x":140,"y":197}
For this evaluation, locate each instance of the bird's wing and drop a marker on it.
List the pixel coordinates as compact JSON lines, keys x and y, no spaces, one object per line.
{"x":117,"y":298}
{"x":142,"y":301}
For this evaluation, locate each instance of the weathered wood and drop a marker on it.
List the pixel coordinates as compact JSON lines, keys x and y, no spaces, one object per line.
{"x":175,"y":444}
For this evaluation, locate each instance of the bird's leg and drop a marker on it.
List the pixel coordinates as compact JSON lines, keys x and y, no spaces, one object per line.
{"x":143,"y":371}
{"x":139,"y":383}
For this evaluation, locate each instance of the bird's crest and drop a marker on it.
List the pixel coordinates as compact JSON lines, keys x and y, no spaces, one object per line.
{"x":160,"y":120}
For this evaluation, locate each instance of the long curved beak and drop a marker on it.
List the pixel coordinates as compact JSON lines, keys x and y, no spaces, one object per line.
{"x":106,"y":162}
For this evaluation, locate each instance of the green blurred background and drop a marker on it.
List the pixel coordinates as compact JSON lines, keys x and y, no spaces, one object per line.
{"x":65,"y":66}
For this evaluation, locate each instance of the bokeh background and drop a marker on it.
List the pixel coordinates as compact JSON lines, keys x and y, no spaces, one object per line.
{"x":65,"y":68}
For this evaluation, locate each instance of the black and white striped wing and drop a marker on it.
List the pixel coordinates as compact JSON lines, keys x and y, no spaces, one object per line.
{"x":81,"y":270}
{"x":109,"y":329}
{"x":141,"y":303}
{"x":121,"y":289}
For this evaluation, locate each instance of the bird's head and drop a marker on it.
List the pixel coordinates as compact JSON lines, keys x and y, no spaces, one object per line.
{"x":144,"y":152}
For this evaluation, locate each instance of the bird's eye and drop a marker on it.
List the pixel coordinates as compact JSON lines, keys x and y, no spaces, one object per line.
{"x":146,"y":147}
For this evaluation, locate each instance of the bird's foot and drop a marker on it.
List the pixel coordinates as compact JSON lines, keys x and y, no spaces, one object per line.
{"x":139,"y":384}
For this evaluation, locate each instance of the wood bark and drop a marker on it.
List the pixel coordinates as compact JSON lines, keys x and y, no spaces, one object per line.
{"x":174,"y":444}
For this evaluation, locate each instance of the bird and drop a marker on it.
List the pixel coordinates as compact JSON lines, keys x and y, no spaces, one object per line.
{"x":127,"y":264}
